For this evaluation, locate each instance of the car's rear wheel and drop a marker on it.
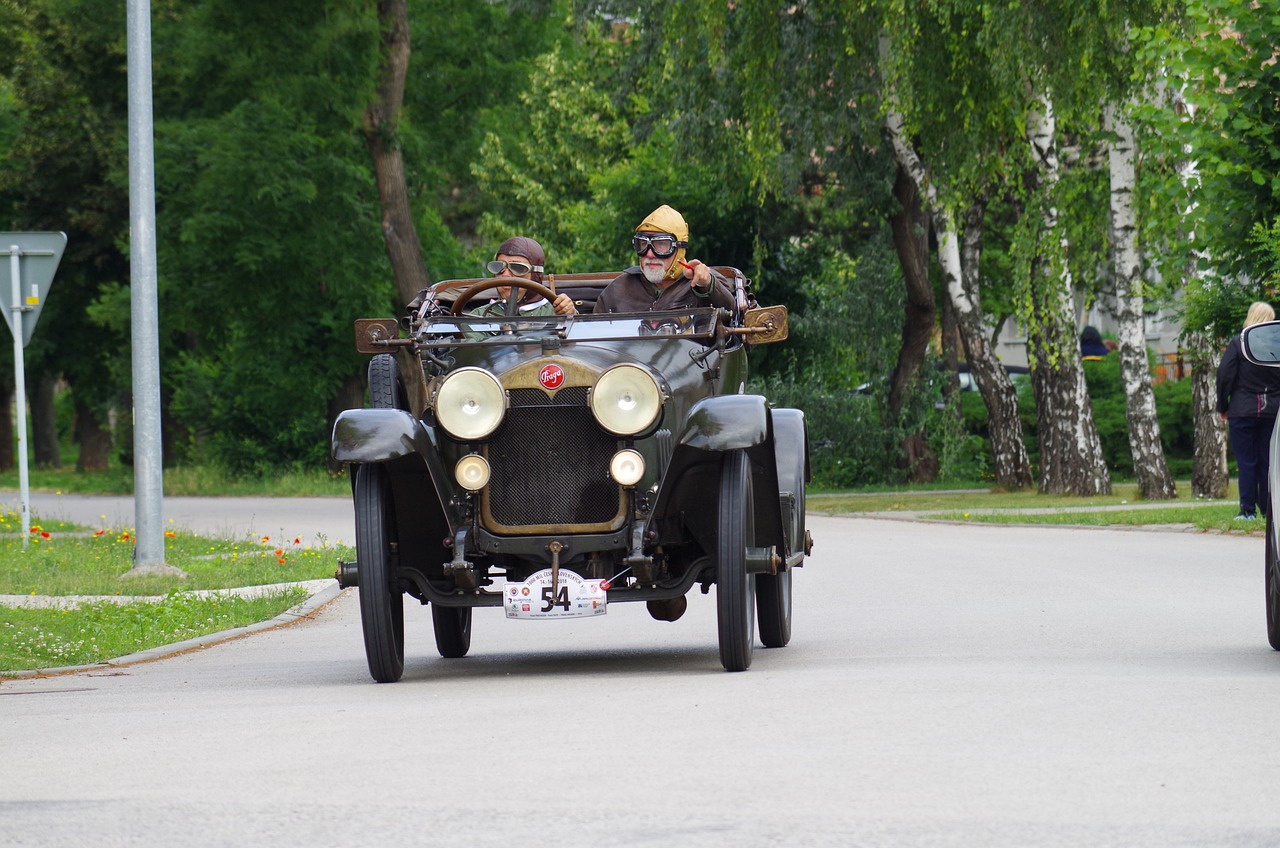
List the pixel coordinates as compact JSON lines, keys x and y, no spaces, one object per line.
{"x":773,"y":603}
{"x":381,"y":601}
{"x":735,"y":588}
{"x":453,"y":630}
{"x":1272,"y":583}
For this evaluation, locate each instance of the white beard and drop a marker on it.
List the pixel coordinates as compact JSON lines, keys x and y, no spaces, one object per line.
{"x":653,"y":274}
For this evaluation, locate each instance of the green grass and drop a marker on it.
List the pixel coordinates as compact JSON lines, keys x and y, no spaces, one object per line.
{"x":1207,"y":517}
{"x":912,"y":500}
{"x":61,"y":559}
{"x":103,"y":630}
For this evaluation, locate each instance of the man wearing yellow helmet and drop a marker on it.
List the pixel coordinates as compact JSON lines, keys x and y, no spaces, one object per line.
{"x":664,"y":279}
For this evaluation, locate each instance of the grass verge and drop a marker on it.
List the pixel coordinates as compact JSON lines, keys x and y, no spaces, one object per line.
{"x":1207,"y":517}
{"x":143,"y":612}
{"x":98,"y":631}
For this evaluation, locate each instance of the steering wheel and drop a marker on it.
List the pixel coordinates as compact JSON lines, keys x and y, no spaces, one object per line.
{"x":498,"y":282}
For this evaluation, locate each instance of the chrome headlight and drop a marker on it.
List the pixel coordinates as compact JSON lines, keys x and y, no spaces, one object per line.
{"x":470,"y":404}
{"x":626,"y":400}
{"x":626,"y":467}
{"x":472,"y":472}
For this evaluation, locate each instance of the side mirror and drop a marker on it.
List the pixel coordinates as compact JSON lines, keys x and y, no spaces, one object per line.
{"x":765,"y":325}
{"x":1261,"y":343}
{"x":376,"y":335}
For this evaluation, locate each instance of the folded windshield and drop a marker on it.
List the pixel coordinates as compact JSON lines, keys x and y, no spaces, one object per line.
{"x":691,"y":323}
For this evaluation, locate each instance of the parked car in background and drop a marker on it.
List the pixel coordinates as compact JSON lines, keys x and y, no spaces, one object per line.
{"x":552,"y":466}
{"x":1261,"y":345}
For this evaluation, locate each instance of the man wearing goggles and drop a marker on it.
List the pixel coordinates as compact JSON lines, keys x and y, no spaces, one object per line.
{"x":665,"y":278}
{"x":521,"y":256}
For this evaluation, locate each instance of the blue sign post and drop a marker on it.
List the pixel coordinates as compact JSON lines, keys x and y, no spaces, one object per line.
{"x":33,"y":260}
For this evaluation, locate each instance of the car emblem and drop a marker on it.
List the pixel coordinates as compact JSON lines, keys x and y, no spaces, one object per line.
{"x":551,"y":376}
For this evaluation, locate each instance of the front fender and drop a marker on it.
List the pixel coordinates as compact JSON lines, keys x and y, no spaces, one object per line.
{"x":379,"y":435}
{"x":726,"y":422}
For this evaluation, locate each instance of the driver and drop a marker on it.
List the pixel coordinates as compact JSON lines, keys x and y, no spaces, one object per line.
{"x":521,"y":256}
{"x":664,"y":279}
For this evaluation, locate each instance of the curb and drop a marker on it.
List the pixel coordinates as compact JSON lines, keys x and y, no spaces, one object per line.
{"x":305,"y":610}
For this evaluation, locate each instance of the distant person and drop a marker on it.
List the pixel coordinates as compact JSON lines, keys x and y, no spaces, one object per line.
{"x":1248,"y":398}
{"x":664,"y":279}
{"x":1091,"y":344}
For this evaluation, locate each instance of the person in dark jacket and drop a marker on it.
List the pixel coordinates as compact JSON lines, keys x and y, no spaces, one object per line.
{"x":1248,"y":398}
{"x":664,"y":279}
{"x":1091,"y":344}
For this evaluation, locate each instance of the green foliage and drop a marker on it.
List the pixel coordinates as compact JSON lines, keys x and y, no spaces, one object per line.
{"x":1219,"y":115}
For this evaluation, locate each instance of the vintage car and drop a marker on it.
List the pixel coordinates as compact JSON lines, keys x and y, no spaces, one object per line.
{"x":553,"y":466}
{"x":1260,"y":344}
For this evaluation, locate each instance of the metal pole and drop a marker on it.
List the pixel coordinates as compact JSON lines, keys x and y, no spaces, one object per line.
{"x":20,"y":390}
{"x":148,"y":485}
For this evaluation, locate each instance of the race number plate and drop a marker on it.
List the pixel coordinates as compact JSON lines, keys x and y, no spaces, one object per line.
{"x":574,"y":597}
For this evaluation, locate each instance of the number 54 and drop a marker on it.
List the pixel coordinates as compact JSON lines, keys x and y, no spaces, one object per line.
{"x":560,"y":599}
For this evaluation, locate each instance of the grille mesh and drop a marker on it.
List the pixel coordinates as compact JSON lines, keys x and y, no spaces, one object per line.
{"x":550,"y":463}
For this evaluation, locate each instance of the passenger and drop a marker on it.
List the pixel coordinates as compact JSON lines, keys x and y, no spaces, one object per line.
{"x":664,"y":279}
{"x":521,"y":256}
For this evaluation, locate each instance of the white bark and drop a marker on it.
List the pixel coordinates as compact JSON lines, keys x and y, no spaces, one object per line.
{"x":1011,"y":464}
{"x":1149,"y":465}
{"x":1071,"y":460}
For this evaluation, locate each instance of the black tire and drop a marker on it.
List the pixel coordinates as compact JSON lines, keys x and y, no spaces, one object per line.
{"x":735,"y":588}
{"x":385,"y":391}
{"x":381,"y":601}
{"x":1272,"y":588}
{"x":453,"y":630}
{"x":773,"y":605}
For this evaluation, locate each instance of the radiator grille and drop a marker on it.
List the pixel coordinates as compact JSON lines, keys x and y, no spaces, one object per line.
{"x":550,"y":464}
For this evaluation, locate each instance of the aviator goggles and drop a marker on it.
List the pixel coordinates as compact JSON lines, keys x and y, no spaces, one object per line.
{"x":520,"y":269}
{"x":663,"y":244}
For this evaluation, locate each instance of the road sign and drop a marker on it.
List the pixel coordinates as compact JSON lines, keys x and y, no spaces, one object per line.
{"x":33,"y":259}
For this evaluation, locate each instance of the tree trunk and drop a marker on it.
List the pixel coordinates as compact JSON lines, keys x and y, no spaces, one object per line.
{"x":44,"y":423}
{"x":94,"y":438}
{"x":1149,"y":465}
{"x":910,"y":239}
{"x":350,"y":395}
{"x":1008,"y":449}
{"x":381,"y":133}
{"x":1071,"y":460}
{"x":1209,"y":478}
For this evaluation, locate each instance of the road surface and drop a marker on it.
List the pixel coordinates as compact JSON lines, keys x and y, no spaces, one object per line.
{"x":947,"y":685}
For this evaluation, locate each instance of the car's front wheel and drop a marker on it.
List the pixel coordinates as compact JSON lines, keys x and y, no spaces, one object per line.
{"x":735,"y":588}
{"x":381,"y":600}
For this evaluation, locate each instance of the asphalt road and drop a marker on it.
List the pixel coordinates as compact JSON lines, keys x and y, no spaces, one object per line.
{"x":310,"y":519}
{"x":946,"y":686}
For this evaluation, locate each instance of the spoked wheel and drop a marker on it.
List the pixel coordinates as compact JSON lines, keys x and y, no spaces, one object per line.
{"x":735,"y":588}
{"x":381,"y":602}
{"x":1273,"y":590}
{"x":453,"y":630}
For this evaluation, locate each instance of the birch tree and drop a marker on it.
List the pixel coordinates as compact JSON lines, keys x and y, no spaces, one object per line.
{"x":1009,"y":456}
{"x":1071,"y":460}
{"x":1154,"y":479}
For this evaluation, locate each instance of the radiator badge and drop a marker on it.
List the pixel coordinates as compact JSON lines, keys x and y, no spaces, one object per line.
{"x":551,"y":376}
